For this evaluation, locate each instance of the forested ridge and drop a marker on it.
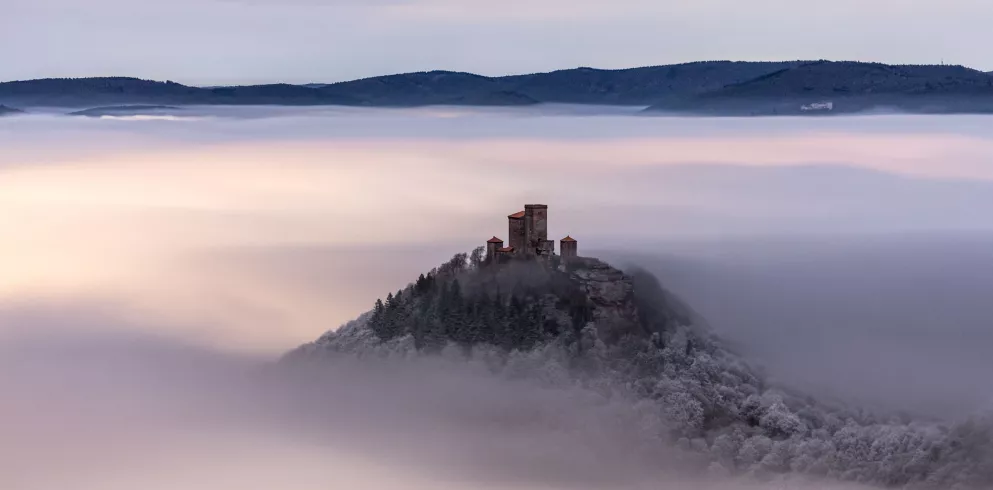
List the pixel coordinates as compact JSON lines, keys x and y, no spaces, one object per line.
{"x":706,"y":87}
{"x":469,"y":301}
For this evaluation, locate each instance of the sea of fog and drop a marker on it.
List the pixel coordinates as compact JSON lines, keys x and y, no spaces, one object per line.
{"x":147,"y":263}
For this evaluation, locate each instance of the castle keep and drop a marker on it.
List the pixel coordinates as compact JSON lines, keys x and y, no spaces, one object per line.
{"x":528,"y":235}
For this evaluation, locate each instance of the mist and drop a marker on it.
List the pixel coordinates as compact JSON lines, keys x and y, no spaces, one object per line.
{"x":100,"y":407}
{"x":152,"y":269}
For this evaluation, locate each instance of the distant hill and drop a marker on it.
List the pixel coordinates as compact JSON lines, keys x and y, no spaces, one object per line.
{"x":124,"y":110}
{"x":6,"y":111}
{"x":430,"y":88}
{"x":636,"y":86}
{"x":86,"y":92}
{"x":91,"y":91}
{"x":848,"y":87}
{"x":707,"y":88}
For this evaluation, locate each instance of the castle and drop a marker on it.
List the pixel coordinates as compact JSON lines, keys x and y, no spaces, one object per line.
{"x":528,"y":233}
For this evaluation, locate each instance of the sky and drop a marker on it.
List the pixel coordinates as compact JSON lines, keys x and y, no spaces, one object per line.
{"x":205,"y":42}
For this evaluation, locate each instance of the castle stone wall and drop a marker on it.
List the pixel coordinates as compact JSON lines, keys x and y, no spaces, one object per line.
{"x":535,"y":227}
{"x":516,"y":230}
{"x":546,"y":248}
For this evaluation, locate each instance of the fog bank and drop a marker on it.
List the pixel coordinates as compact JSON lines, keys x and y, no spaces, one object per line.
{"x":148,"y":265}
{"x":107,"y":409}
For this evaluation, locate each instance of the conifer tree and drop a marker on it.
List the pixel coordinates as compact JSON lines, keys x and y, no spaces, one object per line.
{"x":376,"y":322}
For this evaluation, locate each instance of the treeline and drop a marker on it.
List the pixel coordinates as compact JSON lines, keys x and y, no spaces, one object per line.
{"x":509,"y":313}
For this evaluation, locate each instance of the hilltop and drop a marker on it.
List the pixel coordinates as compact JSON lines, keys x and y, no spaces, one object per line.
{"x":582,"y":323}
{"x":520,"y":303}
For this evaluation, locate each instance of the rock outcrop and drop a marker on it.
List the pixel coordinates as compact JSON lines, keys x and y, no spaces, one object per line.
{"x":615,"y":313}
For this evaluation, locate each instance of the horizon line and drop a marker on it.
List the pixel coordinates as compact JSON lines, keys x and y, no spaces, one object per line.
{"x":253,"y":84}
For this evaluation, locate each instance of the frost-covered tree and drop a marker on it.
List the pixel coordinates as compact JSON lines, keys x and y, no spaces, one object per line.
{"x":687,"y":390}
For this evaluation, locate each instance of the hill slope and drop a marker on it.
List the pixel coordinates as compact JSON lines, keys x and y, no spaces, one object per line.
{"x":636,"y":86}
{"x":429,"y":88}
{"x":585,"y":323}
{"x":850,"y":87}
{"x":6,"y":111}
{"x":115,"y":91}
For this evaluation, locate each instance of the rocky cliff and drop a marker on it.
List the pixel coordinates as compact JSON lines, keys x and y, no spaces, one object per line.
{"x":611,"y":293}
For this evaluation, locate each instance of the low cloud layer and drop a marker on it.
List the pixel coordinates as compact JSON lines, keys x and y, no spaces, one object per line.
{"x":143,"y":259}
{"x":103,"y":408}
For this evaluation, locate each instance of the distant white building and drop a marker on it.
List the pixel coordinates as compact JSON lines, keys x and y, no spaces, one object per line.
{"x":818,"y":106}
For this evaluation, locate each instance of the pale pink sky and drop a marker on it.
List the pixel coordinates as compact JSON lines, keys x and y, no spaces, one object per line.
{"x":299,"y":41}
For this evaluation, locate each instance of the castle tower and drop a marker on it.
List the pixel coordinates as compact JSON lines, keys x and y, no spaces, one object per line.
{"x":535,"y":227}
{"x":492,"y":246}
{"x":569,"y":247}
{"x":515,"y":229}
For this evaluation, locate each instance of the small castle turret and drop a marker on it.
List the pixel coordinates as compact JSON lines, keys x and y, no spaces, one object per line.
{"x":492,"y":246}
{"x":569,"y":247}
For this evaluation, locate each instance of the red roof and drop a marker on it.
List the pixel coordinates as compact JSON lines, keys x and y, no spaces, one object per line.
{"x":517,"y":215}
{"x":505,"y":249}
{"x":568,"y":239}
{"x":494,"y":240}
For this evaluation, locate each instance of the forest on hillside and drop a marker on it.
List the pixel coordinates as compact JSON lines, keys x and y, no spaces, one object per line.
{"x":468,"y":300}
{"x":685,"y":388}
